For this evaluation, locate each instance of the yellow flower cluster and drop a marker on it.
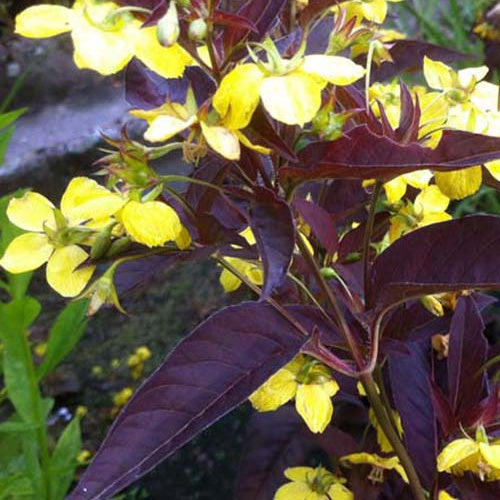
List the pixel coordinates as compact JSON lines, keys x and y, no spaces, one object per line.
{"x":136,"y":361}
{"x":105,"y":36}
{"x":308,"y":382}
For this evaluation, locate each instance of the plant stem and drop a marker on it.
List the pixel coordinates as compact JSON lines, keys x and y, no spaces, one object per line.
{"x":368,"y":235}
{"x":392,"y":435}
{"x":210,"y":46}
{"x":332,"y":301}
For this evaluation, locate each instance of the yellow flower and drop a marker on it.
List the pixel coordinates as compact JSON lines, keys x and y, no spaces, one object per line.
{"x":429,"y":207}
{"x":151,"y":223}
{"x":83,"y":457}
{"x":306,"y":380}
{"x":143,"y":352}
{"x":105,"y":38}
{"x":252,"y":270}
{"x":371,"y":10}
{"x":443,"y":495}
{"x":383,"y":442}
{"x":121,"y":398}
{"x":468,"y":455}
{"x":55,"y":235}
{"x":290,"y":89}
{"x":172,"y":118}
{"x":312,"y":484}
{"x":380,"y":464}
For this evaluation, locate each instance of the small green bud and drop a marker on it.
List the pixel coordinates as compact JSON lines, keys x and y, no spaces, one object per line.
{"x":197,"y":30}
{"x":168,"y":29}
{"x":328,"y":273}
{"x":118,"y":246}
{"x":481,"y":436}
{"x":433,"y":305}
{"x":101,"y":243}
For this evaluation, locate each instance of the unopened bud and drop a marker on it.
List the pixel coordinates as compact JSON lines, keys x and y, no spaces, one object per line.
{"x":432,"y":305}
{"x":101,"y":243}
{"x":118,"y":246}
{"x":168,"y":29}
{"x":328,"y":273}
{"x":197,"y":30}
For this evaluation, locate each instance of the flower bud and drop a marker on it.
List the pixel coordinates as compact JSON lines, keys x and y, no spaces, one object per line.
{"x":101,"y":243}
{"x":118,"y":246}
{"x":197,"y":30}
{"x":168,"y":29}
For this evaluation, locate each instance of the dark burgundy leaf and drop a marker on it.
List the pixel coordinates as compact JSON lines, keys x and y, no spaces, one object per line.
{"x":362,"y":154}
{"x":144,"y":89}
{"x":262,"y":13}
{"x":275,"y":441}
{"x":233,"y":20}
{"x":314,"y":9}
{"x":409,"y":55}
{"x":473,"y":488}
{"x":272,"y":224}
{"x":411,"y":391}
{"x":342,"y":198}
{"x":336,"y":442}
{"x":443,"y":410}
{"x":320,"y":222}
{"x":449,"y":256}
{"x":212,"y":371}
{"x":468,"y":349}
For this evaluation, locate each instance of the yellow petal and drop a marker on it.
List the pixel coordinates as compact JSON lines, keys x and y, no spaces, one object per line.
{"x":152,"y":223}
{"x":44,"y":21}
{"x":419,"y":179}
{"x":164,"y":127}
{"x":168,"y":62}
{"x":31,"y":211}
{"x":491,"y":454}
{"x":183,"y":240}
{"x":84,"y":199}
{"x":222,"y":140}
{"x":293,"y":491}
{"x":459,"y":184}
{"x":494,"y":169}
{"x":468,"y":75}
{"x":293,"y":99}
{"x":300,"y":473}
{"x":443,"y":495}
{"x":314,"y":405}
{"x":227,"y":279}
{"x":455,"y":452}
{"x":430,"y":200}
{"x":62,"y":274}
{"x":334,"y":69}
{"x":238,"y":96}
{"x":26,"y":253}
{"x":277,"y":391}
{"x":250,"y":145}
{"x":434,"y":218}
{"x":395,"y":189}
{"x":437,"y":74}
{"x":340,"y":492}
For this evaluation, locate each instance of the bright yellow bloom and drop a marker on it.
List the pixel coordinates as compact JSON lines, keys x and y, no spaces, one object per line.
{"x":143,"y":352}
{"x":443,"y":495}
{"x":468,"y":455}
{"x":83,"y":457}
{"x":290,"y":89}
{"x":151,"y":223}
{"x":380,"y":464}
{"x":429,"y":207}
{"x":252,"y":270}
{"x":313,"y":484}
{"x":121,"y":398}
{"x":55,"y":235}
{"x":371,"y":10}
{"x":306,"y":380}
{"x":472,"y":103}
{"x":104,"y":38}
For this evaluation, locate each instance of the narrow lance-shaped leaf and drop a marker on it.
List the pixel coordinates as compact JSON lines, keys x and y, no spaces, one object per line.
{"x":272,"y":225}
{"x":468,"y":349}
{"x":362,"y":154}
{"x":412,"y":394}
{"x":445,"y":257}
{"x":216,"y":368}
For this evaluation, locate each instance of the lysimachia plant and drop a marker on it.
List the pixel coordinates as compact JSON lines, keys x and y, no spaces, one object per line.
{"x":322,"y":183}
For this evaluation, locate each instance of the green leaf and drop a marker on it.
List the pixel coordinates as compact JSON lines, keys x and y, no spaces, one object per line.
{"x":10,"y":117}
{"x":16,"y":486}
{"x":19,"y":373}
{"x":64,"y":335}
{"x":63,"y":462}
{"x":5,"y":138}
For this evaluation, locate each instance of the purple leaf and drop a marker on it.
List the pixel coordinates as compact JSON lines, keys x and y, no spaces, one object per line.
{"x":443,"y":410}
{"x":362,"y":154}
{"x":412,"y":395}
{"x":468,"y":350}
{"x":144,"y":89}
{"x":445,"y":257}
{"x":320,"y":222}
{"x":272,"y":224}
{"x":224,"y":360}
{"x":275,"y":441}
